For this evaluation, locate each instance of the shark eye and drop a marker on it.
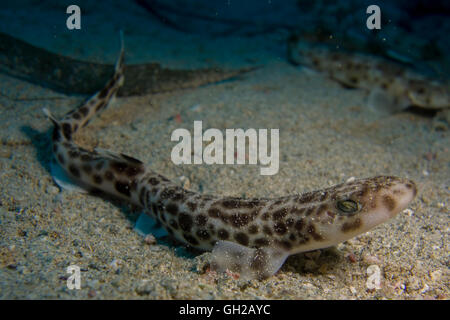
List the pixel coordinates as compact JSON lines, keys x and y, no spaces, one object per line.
{"x":348,"y":206}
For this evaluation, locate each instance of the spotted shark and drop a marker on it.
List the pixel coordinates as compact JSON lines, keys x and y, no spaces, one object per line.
{"x":251,"y":237}
{"x":391,"y":86}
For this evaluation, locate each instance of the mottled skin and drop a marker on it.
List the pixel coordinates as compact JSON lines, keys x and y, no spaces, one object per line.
{"x":393,"y":86}
{"x":249,"y":236}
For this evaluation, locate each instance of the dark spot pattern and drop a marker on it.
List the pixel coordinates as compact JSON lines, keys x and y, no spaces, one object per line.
{"x":351,"y":226}
{"x":84,"y":111}
{"x":280,"y":214}
{"x":354,"y":80}
{"x":299,"y":225}
{"x":261,"y":242}
{"x":100,"y":105}
{"x":185,"y":221}
{"x":321,"y":209}
{"x":284,"y":244}
{"x":290,"y":222}
{"x":73,"y":154}
{"x":177,"y":196}
{"x":190,"y":239}
{"x":241,"y":238}
{"x":126,"y":168}
{"x":109,"y":175}
{"x":167,"y":193}
{"x":86,"y":168}
{"x":86,"y":157}
{"x":67,"y":131}
{"x":99,"y":165}
{"x":280,"y":228}
{"x":223,"y":234}
{"x":389,"y":202}
{"x":61,"y":159}
{"x":214,"y":213}
{"x":192,"y":206}
{"x":74,"y":171}
{"x":323,"y":196}
{"x":104,"y":92}
{"x":239,"y":220}
{"x":203,"y":234}
{"x":303,"y":239}
{"x":253,"y":229}
{"x":201,"y":220}
{"x":307,"y":197}
{"x":123,"y":188}
{"x":172,"y":209}
{"x":97,"y":179}
{"x":312,"y":231}
{"x":297,"y":211}
{"x":230,"y":203}
{"x":267,"y":230}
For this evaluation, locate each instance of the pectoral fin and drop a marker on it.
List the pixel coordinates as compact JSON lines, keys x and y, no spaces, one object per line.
{"x":147,"y":225}
{"x":63,"y":180}
{"x":250,"y":263}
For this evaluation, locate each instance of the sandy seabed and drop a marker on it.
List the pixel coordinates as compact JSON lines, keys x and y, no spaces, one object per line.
{"x":327,"y":135}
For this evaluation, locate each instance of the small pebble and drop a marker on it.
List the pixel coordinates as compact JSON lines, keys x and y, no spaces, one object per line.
{"x":425,"y":288}
{"x":92,"y":293}
{"x":412,"y":284}
{"x":408,"y":212}
{"x":369,"y":259}
{"x":185,"y":182}
{"x":150,"y":239}
{"x":115,"y":264}
{"x":351,"y":257}
{"x":52,"y":190}
{"x":233,"y":275}
{"x":436,"y":275}
{"x":144,"y":287}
